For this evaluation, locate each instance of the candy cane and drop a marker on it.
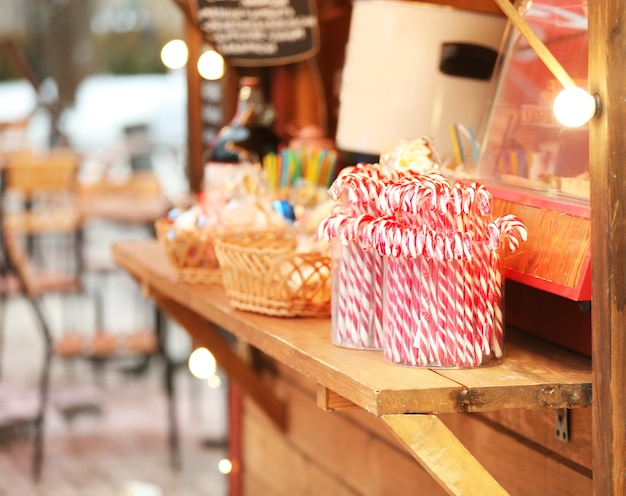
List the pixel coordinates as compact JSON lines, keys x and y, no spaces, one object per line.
{"x":395,"y":346}
{"x":355,"y":295}
{"x":340,"y":322}
{"x":512,"y":230}
{"x":428,"y":327}
{"x":480,"y":209}
{"x":498,"y":324}
{"x":378,"y":298}
{"x":464,"y":275}
{"x":407,"y":325}
{"x":420,"y":313}
{"x":393,"y":317}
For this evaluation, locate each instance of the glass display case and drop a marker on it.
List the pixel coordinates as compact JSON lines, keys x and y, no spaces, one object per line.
{"x":525,"y":146}
{"x":535,"y":167}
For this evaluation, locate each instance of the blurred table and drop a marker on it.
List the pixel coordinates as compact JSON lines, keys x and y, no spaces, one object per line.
{"x":136,"y":200}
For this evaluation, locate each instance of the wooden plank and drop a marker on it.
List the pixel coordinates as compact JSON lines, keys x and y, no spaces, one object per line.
{"x":442,"y":455}
{"x":515,"y":449}
{"x":253,"y":485}
{"x":331,"y":443}
{"x":529,"y":375}
{"x":607,"y":152}
{"x":533,"y":374}
{"x":204,"y":334}
{"x":304,"y":344}
{"x":523,"y":468}
{"x":279,"y":467}
{"x":559,"y":320}
{"x":329,"y":400}
{"x":538,"y":427}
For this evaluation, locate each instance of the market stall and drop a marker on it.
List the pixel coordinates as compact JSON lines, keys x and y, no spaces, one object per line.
{"x":535,"y":450}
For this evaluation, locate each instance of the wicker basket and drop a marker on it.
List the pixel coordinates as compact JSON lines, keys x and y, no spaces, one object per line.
{"x":263,"y":273}
{"x":190,"y":252}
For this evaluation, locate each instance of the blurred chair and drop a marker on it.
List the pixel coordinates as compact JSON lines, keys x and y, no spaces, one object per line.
{"x":28,"y":177}
{"x":40,"y":203}
{"x":14,"y":134}
{"x":40,"y":244}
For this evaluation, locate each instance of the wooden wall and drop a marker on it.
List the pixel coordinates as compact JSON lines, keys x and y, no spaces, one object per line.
{"x":352,"y":453}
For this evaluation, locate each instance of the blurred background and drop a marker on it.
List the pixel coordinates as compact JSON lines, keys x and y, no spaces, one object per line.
{"x":89,"y":74}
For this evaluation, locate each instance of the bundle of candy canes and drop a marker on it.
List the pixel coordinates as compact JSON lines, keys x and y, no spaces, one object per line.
{"x":441,"y":292}
{"x":357,"y":302}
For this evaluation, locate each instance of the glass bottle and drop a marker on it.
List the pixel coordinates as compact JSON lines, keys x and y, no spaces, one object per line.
{"x":246,"y":139}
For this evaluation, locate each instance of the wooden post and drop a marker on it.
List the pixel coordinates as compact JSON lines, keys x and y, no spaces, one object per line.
{"x":195,"y":171}
{"x":607,"y":44}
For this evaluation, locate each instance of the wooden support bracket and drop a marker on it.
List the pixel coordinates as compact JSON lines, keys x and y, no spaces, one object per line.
{"x":329,"y":400}
{"x":205,"y":334}
{"x":442,"y":455}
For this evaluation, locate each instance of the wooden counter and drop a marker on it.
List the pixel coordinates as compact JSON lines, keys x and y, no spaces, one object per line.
{"x":533,"y":374}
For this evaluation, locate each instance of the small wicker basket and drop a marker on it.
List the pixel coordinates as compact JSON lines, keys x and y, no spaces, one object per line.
{"x":263,"y":273}
{"x":191,"y":252}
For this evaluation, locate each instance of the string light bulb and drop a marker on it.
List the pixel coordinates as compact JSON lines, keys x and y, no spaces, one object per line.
{"x":202,"y":363}
{"x":225,"y":466}
{"x":214,"y":381}
{"x":211,"y":65}
{"x":574,"y":107}
{"x":174,"y":54}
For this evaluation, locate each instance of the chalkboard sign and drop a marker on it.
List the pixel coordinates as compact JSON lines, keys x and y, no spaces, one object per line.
{"x":255,"y":33}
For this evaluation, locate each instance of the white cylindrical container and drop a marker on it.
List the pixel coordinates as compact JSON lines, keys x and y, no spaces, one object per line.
{"x":393,"y":86}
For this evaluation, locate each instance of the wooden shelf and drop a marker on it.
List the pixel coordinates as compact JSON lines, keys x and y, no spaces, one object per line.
{"x":533,"y":374}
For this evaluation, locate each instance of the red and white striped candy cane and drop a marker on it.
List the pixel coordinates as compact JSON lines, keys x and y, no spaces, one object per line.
{"x":421,"y":340}
{"x":494,"y":325}
{"x":396,"y":347}
{"x":512,"y":231}
{"x":341,"y":324}
{"x":480,"y":212}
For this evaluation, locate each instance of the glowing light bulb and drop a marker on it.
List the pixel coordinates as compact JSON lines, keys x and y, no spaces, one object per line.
{"x":174,"y":54}
{"x":214,"y":381}
{"x":211,"y":65}
{"x":202,"y":363}
{"x":225,"y":466}
{"x":574,"y":107}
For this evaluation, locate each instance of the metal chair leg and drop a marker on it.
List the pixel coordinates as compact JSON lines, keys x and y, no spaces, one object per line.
{"x":44,"y":389}
{"x":3,"y":306}
{"x":173,"y":437}
{"x":4,"y":275}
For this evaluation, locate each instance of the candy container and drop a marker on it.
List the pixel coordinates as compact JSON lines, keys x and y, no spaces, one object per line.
{"x":443,"y":281}
{"x":416,"y":262}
